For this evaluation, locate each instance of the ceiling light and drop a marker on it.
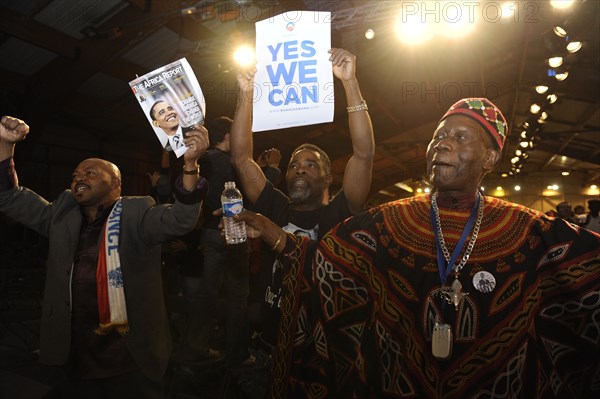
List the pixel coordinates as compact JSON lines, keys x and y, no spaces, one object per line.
{"x":544,"y":116}
{"x":427,"y":189}
{"x":457,"y":21}
{"x":559,"y":31}
{"x":562,"y":76}
{"x":504,"y":175}
{"x":535,"y":108}
{"x":524,"y":144}
{"x":518,"y":152}
{"x":370,"y":34}
{"x":593,"y":186}
{"x":555,"y":62}
{"x":411,"y":29}
{"x":574,"y":47}
{"x":244,"y":56}
{"x":517,"y":188}
{"x":541,"y":89}
{"x":524,"y":134}
{"x":552,"y":98}
{"x":507,"y":9}
{"x":404,"y":186}
{"x":514,"y":160}
{"x":561,"y":4}
{"x":565,"y":173}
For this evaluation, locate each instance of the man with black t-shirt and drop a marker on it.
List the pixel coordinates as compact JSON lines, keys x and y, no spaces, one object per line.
{"x":309,"y":207}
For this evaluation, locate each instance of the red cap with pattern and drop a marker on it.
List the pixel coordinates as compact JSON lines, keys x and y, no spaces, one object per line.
{"x":485,"y":113}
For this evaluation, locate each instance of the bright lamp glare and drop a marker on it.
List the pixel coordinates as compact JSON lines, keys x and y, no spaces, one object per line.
{"x":541,"y":89}
{"x":562,"y":76}
{"x":369,"y":34}
{"x":552,"y":98}
{"x":411,"y":29}
{"x":555,"y":62}
{"x":244,"y":56}
{"x":508,"y":9}
{"x":517,"y":188}
{"x":561,"y":4}
{"x":457,"y":21}
{"x":534,"y":108}
{"x":574,"y":47}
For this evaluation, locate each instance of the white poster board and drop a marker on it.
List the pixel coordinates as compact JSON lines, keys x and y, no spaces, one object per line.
{"x":293,"y":85}
{"x":172,"y":101}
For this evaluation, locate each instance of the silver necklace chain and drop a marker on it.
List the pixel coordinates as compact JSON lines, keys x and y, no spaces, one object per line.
{"x":472,"y":239}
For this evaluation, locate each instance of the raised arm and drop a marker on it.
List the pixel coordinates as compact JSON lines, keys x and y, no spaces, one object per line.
{"x":251,"y":176}
{"x":197,"y":142}
{"x":357,"y":176}
{"x":12,"y":130}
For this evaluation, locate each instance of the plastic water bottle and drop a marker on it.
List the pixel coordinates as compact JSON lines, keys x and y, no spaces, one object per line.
{"x":231,"y":200}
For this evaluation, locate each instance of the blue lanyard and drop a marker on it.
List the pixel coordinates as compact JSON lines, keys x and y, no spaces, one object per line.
{"x":445,"y":268}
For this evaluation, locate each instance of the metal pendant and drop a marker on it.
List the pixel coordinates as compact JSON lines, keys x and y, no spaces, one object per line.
{"x":457,"y":294}
{"x":484,"y":282}
{"x":441,"y":341}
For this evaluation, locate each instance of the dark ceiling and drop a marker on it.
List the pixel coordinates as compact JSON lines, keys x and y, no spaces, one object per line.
{"x":66,"y":64}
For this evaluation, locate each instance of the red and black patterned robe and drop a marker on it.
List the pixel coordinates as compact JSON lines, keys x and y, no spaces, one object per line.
{"x":359,"y":319}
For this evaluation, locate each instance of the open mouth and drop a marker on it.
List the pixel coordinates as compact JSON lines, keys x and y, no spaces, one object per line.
{"x":299,"y":182}
{"x":439,"y":163}
{"x":81,"y":187}
{"x":171,"y":118}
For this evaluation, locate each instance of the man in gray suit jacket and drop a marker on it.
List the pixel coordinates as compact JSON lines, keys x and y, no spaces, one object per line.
{"x":103,"y":313}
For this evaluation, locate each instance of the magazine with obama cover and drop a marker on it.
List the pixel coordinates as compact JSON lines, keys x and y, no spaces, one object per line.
{"x":172,"y":100}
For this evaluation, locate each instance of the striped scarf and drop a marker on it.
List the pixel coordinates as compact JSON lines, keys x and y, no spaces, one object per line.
{"x":109,"y":278}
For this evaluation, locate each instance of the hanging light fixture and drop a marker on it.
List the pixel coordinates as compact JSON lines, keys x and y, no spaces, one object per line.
{"x":574,"y":46}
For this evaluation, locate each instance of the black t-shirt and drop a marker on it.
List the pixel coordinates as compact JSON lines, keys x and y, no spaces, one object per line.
{"x":314,"y":224}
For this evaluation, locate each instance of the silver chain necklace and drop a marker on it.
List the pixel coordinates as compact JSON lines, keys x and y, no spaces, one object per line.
{"x":441,"y":338}
{"x":454,"y":293}
{"x":473,"y":238}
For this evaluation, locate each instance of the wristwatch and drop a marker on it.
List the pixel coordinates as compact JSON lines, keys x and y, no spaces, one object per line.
{"x":192,"y":172}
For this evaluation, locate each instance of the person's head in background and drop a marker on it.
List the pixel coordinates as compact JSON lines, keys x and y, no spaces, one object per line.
{"x":218,"y":133}
{"x":594,"y":206}
{"x":308,"y":177}
{"x":564,"y":210}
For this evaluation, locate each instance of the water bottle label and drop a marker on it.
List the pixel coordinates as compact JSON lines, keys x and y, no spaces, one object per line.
{"x":232,"y":208}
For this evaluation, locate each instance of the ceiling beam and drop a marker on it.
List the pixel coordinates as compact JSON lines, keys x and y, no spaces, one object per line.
{"x":38,"y":34}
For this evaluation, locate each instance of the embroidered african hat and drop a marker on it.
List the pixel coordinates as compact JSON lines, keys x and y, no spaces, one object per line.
{"x":485,"y":113}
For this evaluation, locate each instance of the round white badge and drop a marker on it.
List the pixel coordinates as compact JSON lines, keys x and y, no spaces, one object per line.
{"x":484,"y":282}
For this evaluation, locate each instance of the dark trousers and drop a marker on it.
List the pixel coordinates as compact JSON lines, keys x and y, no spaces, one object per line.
{"x":228,"y":266}
{"x":126,"y":386}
